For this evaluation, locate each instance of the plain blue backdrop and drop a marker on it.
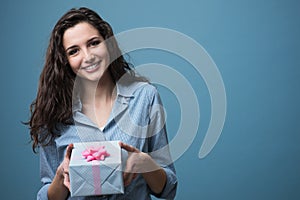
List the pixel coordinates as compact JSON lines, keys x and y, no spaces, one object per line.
{"x":256,"y":47}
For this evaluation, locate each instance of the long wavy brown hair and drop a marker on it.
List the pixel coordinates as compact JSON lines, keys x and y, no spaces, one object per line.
{"x":52,"y":108}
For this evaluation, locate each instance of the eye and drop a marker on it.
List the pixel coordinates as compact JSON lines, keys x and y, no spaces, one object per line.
{"x":95,"y":42}
{"x":72,"y":52}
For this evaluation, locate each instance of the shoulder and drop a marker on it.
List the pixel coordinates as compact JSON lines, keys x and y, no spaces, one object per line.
{"x":146,"y":92}
{"x":129,"y":86}
{"x":147,"y":89}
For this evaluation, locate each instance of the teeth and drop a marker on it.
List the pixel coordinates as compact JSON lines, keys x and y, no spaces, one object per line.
{"x":91,"y":67}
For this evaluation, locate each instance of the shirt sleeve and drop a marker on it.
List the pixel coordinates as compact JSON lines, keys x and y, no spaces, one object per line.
{"x":159,"y":147}
{"x":48,"y":166}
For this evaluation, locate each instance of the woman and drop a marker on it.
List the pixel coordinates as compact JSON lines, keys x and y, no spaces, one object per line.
{"x":88,"y":92}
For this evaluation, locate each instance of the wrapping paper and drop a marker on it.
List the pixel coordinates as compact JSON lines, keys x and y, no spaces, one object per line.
{"x":96,"y":177}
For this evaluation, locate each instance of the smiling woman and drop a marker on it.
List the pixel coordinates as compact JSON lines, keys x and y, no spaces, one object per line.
{"x":84,"y":90}
{"x":88,"y":54}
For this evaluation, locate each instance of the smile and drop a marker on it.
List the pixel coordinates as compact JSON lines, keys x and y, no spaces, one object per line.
{"x":91,"y":68}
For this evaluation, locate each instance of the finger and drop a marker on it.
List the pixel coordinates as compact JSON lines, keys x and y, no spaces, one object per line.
{"x":127,"y":147}
{"x":134,"y":176}
{"x":65,"y":169}
{"x":67,"y":180}
{"x":66,"y":161}
{"x":128,"y":177}
{"x":60,"y":170}
{"x":125,"y":176}
{"x":69,"y":151}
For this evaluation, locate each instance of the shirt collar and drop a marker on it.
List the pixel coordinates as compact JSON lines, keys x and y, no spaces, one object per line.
{"x":127,"y":86}
{"x":125,"y":91}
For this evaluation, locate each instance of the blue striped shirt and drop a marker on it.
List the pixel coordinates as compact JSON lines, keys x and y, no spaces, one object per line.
{"x":137,"y":119}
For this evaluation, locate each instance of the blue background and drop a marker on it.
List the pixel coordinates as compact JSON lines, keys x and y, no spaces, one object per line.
{"x":256,"y":47}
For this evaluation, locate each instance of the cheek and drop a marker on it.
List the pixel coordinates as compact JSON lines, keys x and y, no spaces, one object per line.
{"x":106,"y":56}
{"x":75,"y":64}
{"x":103,"y":53}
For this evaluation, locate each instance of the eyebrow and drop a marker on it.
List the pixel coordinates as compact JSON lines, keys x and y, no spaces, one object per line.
{"x":74,"y":46}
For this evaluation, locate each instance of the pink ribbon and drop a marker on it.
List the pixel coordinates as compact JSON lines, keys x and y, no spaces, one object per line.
{"x":97,"y":179}
{"x":95,"y":153}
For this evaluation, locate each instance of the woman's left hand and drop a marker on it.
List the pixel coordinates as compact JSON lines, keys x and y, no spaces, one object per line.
{"x":137,"y":162}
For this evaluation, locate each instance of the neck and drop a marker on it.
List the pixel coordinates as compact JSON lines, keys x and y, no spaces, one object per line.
{"x":97,"y":91}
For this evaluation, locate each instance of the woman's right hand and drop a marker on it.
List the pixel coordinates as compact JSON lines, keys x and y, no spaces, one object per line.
{"x":65,"y":166}
{"x":60,"y":186}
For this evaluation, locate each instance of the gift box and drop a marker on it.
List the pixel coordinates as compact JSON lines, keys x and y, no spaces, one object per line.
{"x":99,"y":173}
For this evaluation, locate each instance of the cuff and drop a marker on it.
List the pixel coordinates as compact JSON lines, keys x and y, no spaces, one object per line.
{"x":169,"y":190}
{"x":43,"y":192}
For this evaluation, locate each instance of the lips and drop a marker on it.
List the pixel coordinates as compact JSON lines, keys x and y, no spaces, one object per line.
{"x":91,"y":68}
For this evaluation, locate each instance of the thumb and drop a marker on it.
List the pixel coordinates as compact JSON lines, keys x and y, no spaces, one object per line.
{"x":69,"y":151}
{"x":128,"y":147}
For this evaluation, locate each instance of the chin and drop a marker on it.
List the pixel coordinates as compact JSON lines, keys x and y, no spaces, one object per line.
{"x":95,"y":77}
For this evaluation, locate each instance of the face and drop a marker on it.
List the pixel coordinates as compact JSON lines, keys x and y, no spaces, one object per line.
{"x":86,"y":51}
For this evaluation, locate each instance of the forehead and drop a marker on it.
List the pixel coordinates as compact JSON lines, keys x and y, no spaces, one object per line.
{"x":79,"y":33}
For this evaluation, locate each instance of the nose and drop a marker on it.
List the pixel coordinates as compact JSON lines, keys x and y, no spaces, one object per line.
{"x":88,"y":56}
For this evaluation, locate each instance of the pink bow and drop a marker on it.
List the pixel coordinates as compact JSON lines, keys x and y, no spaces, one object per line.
{"x":95,"y":153}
